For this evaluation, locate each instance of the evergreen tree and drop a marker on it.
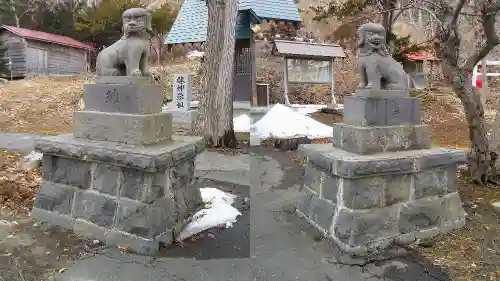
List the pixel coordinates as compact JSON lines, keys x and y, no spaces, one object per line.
{"x":403,"y":46}
{"x":6,"y":14}
{"x":59,"y":18}
{"x":101,"y":24}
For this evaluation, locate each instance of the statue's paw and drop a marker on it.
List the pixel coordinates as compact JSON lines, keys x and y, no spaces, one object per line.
{"x":136,"y":72}
{"x":369,"y":86}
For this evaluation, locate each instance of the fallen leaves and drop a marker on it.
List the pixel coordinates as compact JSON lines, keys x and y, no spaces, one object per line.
{"x":18,"y":188}
{"x":123,"y":249}
{"x":471,"y":253}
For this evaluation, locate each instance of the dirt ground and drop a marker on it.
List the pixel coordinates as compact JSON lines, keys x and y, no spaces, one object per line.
{"x":472,"y":253}
{"x":46,"y":106}
{"x":29,"y":250}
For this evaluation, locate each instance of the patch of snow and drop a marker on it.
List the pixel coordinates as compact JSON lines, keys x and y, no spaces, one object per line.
{"x":307,"y":109}
{"x":5,"y":223}
{"x":242,"y":123}
{"x":195,"y":54}
{"x":31,"y":161}
{"x":282,"y":121}
{"x":219,"y":213}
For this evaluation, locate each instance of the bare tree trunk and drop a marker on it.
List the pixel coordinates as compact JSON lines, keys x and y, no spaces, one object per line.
{"x":215,"y":115}
{"x":224,"y":97}
{"x":14,"y":12}
{"x":203,"y":123}
{"x":495,"y":141}
{"x":480,"y":157}
{"x":158,"y":55}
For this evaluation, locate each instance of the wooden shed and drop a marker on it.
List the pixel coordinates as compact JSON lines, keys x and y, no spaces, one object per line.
{"x":35,"y":53}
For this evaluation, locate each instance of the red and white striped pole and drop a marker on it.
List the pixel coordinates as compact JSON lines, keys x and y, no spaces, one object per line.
{"x":476,"y":81}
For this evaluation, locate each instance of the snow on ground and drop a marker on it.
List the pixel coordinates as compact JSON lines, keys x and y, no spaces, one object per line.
{"x":282,"y":121}
{"x":219,"y":212}
{"x":306,"y":109}
{"x":195,"y":54}
{"x":242,"y":123}
{"x":31,"y":161}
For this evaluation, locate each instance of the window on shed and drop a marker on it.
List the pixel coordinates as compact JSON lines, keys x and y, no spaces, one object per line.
{"x":242,"y":61}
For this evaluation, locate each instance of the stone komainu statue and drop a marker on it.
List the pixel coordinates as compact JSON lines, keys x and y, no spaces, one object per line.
{"x":377,"y":68}
{"x":128,"y":56}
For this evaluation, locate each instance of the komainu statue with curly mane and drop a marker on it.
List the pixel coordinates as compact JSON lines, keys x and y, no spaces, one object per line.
{"x":377,"y":69}
{"x":128,"y":56}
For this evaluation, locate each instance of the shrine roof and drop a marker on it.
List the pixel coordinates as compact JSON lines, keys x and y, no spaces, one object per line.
{"x":191,"y":23}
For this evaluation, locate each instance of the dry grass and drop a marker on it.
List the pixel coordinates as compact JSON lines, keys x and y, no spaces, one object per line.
{"x":472,"y":253}
{"x":167,"y":72}
{"x":442,"y":110}
{"x":18,"y":188}
{"x":43,"y":105}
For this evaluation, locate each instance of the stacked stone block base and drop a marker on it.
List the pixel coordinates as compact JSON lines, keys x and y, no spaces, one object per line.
{"x":124,"y":195}
{"x":366,"y":203}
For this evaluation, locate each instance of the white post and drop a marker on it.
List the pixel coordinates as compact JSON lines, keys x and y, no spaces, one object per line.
{"x":285,"y":81}
{"x":182,"y":91}
{"x":332,"y":78}
{"x":484,"y":77}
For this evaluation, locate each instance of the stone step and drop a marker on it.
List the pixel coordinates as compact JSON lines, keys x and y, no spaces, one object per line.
{"x":137,"y":129}
{"x":346,"y":164}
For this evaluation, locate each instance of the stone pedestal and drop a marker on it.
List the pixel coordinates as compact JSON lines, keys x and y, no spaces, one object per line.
{"x":380,"y":182}
{"x":183,"y":119}
{"x":122,"y":177}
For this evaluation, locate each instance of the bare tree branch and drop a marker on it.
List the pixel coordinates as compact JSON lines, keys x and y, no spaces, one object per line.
{"x":456,"y":12}
{"x":401,"y":11}
{"x":29,"y":8}
{"x":488,"y":19}
{"x":431,"y":13}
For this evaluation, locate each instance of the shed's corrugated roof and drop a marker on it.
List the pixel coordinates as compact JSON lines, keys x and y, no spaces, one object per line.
{"x":46,"y":37}
{"x":191,"y":23}
{"x":305,"y":49}
{"x":285,"y":10}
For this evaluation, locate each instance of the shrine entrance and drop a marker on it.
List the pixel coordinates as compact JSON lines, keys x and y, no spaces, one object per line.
{"x":242,"y":83}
